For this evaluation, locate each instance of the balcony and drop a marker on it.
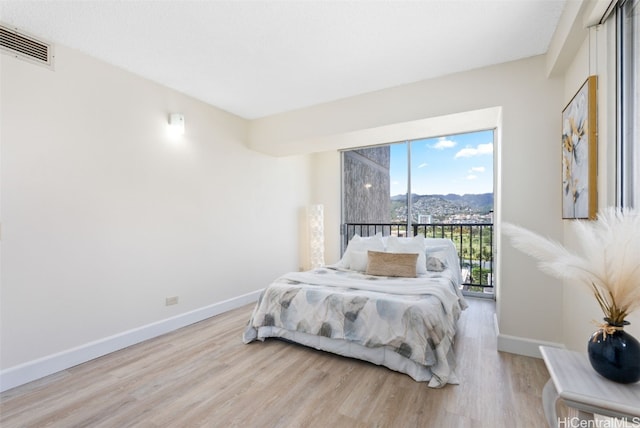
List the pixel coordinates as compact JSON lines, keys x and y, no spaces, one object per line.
{"x":473,"y":241}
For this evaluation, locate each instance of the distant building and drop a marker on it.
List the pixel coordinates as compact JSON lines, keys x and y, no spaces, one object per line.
{"x":367,"y":185}
{"x":424,"y":219}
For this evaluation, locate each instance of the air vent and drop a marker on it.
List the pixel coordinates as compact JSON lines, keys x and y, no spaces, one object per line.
{"x":25,"y":47}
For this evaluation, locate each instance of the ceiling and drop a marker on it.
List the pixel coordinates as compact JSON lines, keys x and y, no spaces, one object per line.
{"x":258,"y":58}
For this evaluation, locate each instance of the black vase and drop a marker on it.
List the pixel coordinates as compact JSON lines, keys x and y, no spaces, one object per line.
{"x":615,"y":355}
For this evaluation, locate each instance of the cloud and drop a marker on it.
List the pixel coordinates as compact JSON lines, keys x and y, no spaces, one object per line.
{"x":480,"y":149}
{"x":443,"y":143}
{"x":472,"y":177}
{"x":477,"y":169}
{"x":422,"y":165}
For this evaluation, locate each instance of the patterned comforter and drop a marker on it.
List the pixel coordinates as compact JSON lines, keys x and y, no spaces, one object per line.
{"x":406,"y":324}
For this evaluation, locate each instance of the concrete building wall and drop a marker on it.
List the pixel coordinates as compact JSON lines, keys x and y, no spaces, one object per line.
{"x":367,"y":185}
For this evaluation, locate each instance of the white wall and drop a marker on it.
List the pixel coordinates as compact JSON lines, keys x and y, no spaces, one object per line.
{"x":595,"y":56}
{"x":325,"y":179}
{"x":103,"y":216}
{"x":527,"y":103}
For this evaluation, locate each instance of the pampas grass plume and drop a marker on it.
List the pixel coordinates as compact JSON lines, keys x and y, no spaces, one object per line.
{"x":609,"y":263}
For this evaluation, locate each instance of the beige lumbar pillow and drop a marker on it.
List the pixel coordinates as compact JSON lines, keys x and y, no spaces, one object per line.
{"x":391,"y":264}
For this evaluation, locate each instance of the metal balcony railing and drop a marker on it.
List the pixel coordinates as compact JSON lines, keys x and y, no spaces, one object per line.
{"x":473,"y":241}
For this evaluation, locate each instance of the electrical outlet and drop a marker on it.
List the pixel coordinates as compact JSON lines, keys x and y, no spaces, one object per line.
{"x":171,"y":301}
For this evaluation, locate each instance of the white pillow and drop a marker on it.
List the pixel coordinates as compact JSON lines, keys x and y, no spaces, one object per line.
{"x":415,"y":245}
{"x":355,"y":256}
{"x":436,"y":242}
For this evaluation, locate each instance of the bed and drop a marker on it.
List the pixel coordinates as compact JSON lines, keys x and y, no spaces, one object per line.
{"x":391,"y":301}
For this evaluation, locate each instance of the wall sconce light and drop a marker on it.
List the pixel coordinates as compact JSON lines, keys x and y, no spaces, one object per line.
{"x":176,"y":124}
{"x":316,"y":235}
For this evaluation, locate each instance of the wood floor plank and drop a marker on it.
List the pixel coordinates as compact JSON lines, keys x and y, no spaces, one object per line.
{"x":204,"y":376}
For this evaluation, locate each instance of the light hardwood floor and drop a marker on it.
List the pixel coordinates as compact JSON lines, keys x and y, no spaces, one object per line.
{"x":203,"y":375}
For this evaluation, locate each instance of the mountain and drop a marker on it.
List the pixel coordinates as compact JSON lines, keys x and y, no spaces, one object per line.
{"x":442,"y":206}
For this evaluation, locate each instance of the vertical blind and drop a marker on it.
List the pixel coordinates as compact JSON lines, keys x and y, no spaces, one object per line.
{"x":628,"y":21}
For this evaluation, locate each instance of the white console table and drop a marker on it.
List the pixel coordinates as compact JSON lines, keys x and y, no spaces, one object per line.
{"x":584,"y":391}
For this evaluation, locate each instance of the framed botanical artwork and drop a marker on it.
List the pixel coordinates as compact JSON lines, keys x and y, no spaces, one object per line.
{"x":579,"y":154}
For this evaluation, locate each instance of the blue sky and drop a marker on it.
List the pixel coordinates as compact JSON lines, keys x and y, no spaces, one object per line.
{"x":461,"y":163}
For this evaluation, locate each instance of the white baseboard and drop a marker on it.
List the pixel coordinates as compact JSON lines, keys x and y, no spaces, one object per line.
{"x":36,"y":369}
{"x":521,"y":345}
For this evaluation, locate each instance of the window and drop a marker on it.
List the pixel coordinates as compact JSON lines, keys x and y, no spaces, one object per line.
{"x":450,"y":183}
{"x":449,"y":178}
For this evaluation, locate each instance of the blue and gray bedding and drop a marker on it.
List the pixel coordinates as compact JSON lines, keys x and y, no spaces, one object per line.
{"x":406,"y":324}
